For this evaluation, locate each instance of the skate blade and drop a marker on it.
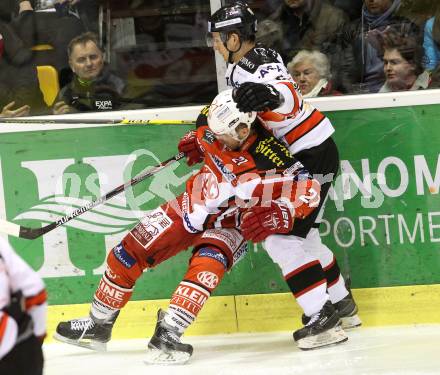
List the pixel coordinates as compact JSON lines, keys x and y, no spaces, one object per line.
{"x":350,"y":322}
{"x":88,"y":344}
{"x":159,"y":357}
{"x":333,"y":336}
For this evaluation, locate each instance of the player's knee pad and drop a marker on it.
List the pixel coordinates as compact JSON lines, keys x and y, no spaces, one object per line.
{"x":287,"y":252}
{"x":207,"y":267}
{"x":229,"y":241}
{"x":122,"y":267}
{"x":314,"y":246}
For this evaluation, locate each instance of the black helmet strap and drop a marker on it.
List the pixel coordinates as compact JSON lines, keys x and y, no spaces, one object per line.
{"x":231,"y":53}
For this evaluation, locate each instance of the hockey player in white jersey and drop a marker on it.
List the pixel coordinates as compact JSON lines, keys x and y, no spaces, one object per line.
{"x":22,"y":315}
{"x":263,"y":84}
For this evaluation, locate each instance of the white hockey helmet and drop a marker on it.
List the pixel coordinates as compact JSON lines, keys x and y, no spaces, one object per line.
{"x":224,"y":116}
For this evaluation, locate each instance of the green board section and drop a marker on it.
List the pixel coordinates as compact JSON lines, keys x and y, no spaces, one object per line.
{"x":390,"y":238}
{"x":394,"y":237}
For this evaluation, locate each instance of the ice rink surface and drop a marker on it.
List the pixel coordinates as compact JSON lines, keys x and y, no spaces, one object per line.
{"x":408,"y":350}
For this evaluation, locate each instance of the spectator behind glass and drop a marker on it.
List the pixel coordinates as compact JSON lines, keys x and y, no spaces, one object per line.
{"x":403,"y":65}
{"x":431,"y":41}
{"x":20,"y":94}
{"x":53,"y":28}
{"x":94,"y":87}
{"x":362,"y":67}
{"x":270,"y":34}
{"x":351,"y":7}
{"x":309,"y":24}
{"x":311,"y":70}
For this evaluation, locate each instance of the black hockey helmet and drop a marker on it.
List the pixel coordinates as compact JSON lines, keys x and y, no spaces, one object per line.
{"x":237,"y":17}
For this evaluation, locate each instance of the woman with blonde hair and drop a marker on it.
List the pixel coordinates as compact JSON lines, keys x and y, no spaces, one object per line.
{"x":311,"y":70}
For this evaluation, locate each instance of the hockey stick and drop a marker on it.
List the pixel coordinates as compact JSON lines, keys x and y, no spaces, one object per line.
{"x":94,"y":121}
{"x":32,"y":233}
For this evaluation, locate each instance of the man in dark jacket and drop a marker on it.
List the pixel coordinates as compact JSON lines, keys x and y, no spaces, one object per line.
{"x":18,"y":77}
{"x":94,"y":87}
{"x":362,"y":39}
{"x":309,"y":24}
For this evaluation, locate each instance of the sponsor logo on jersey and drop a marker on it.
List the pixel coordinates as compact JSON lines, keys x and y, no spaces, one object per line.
{"x":111,"y":295}
{"x":209,"y":279}
{"x":231,"y":238}
{"x":227,"y":174}
{"x":240,"y":253}
{"x":271,"y":148}
{"x":125,"y":258}
{"x":151,"y":226}
{"x":188,"y":299}
{"x":294,"y":169}
{"x":247,"y":64}
{"x":208,"y":137}
{"x":186,"y":221}
{"x":209,"y":253}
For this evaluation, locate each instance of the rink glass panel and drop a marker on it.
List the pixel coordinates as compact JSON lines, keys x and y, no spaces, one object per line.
{"x":389,"y":240}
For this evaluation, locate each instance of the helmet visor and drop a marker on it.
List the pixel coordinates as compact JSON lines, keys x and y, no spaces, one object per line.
{"x":215,"y":37}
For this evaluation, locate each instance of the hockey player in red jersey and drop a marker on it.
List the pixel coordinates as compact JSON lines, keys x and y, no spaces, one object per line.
{"x":22,"y":315}
{"x":262,"y":83}
{"x":206,"y":217}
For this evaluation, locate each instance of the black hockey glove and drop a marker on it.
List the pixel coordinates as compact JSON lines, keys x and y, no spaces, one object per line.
{"x":17,"y":310}
{"x":257,"y":97}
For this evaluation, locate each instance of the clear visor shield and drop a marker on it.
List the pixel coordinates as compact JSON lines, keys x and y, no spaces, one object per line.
{"x":215,"y":37}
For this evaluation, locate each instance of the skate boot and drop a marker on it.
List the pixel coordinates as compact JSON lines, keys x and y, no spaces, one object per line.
{"x":86,"y":332}
{"x":347,"y":310}
{"x":323,"y":329}
{"x":165,"y":347}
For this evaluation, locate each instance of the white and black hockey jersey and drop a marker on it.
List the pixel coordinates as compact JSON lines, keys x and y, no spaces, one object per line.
{"x":16,"y":275}
{"x":297,"y":123}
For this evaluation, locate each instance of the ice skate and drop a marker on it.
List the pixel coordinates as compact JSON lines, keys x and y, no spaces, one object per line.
{"x":322,"y":329}
{"x":165,"y":347}
{"x":347,"y":310}
{"x":85,"y":332}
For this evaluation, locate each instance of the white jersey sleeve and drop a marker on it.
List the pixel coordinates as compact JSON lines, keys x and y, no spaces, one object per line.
{"x":296,"y":123}
{"x":15,"y":275}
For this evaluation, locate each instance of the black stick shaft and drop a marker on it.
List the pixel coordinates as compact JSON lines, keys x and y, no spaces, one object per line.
{"x":32,"y":233}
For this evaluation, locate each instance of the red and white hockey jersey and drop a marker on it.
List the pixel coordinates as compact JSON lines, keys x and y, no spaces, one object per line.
{"x":297,"y":123}
{"x":262,"y":170}
{"x":16,"y":275}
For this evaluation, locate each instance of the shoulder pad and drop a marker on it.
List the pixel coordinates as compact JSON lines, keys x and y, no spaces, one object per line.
{"x":265,"y":55}
{"x":256,"y":57}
